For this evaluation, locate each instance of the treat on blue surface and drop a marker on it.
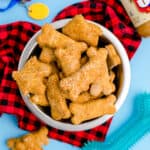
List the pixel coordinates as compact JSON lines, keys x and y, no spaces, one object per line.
{"x":31,"y":141}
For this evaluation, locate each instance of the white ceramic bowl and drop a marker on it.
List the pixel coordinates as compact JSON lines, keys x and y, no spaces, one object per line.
{"x":121,"y":94}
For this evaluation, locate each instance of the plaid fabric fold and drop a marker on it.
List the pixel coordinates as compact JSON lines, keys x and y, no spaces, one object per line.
{"x":13,"y":38}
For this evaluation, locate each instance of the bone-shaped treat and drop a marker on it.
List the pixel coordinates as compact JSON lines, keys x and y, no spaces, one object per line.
{"x":69,"y":59}
{"x":58,"y":105}
{"x":92,"y":109}
{"x":81,"y":30}
{"x":103,"y":84}
{"x":30,"y":77}
{"x":32,"y":141}
{"x":51,"y":38}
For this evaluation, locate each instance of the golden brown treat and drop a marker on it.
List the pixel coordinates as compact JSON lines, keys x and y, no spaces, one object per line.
{"x":30,"y":77}
{"x":113,"y":57}
{"x":59,"y":108}
{"x":47,"y":55}
{"x":40,"y":100}
{"x":80,"y":80}
{"x":92,"y":109}
{"x":103,"y":83}
{"x":69,"y":59}
{"x":32,"y":141}
{"x":51,"y":38}
{"x":79,"y":29}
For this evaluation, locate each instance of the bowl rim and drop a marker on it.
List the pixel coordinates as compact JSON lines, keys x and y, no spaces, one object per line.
{"x":98,"y":121}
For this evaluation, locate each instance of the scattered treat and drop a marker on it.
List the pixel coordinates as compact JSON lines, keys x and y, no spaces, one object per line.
{"x":79,"y":81}
{"x":30,"y":77}
{"x":32,"y":141}
{"x":79,"y":29}
{"x":85,"y":111}
{"x":47,"y":55}
{"x":59,"y":108}
{"x":40,"y":100}
{"x":113,"y":57}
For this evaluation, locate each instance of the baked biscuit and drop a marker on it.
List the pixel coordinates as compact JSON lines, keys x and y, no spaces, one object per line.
{"x":103,"y":84}
{"x":113,"y":57}
{"x":81,"y":30}
{"x":51,"y":38}
{"x":92,"y":109}
{"x":69,"y":59}
{"x":58,"y":105}
{"x":32,"y":141}
{"x":30,"y":77}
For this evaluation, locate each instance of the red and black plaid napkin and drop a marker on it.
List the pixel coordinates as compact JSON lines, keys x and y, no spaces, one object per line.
{"x":13,"y":38}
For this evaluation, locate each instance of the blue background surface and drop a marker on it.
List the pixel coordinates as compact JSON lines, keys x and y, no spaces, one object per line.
{"x":140,"y":82}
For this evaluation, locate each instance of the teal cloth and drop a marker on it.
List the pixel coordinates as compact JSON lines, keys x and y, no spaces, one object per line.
{"x":128,"y":134}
